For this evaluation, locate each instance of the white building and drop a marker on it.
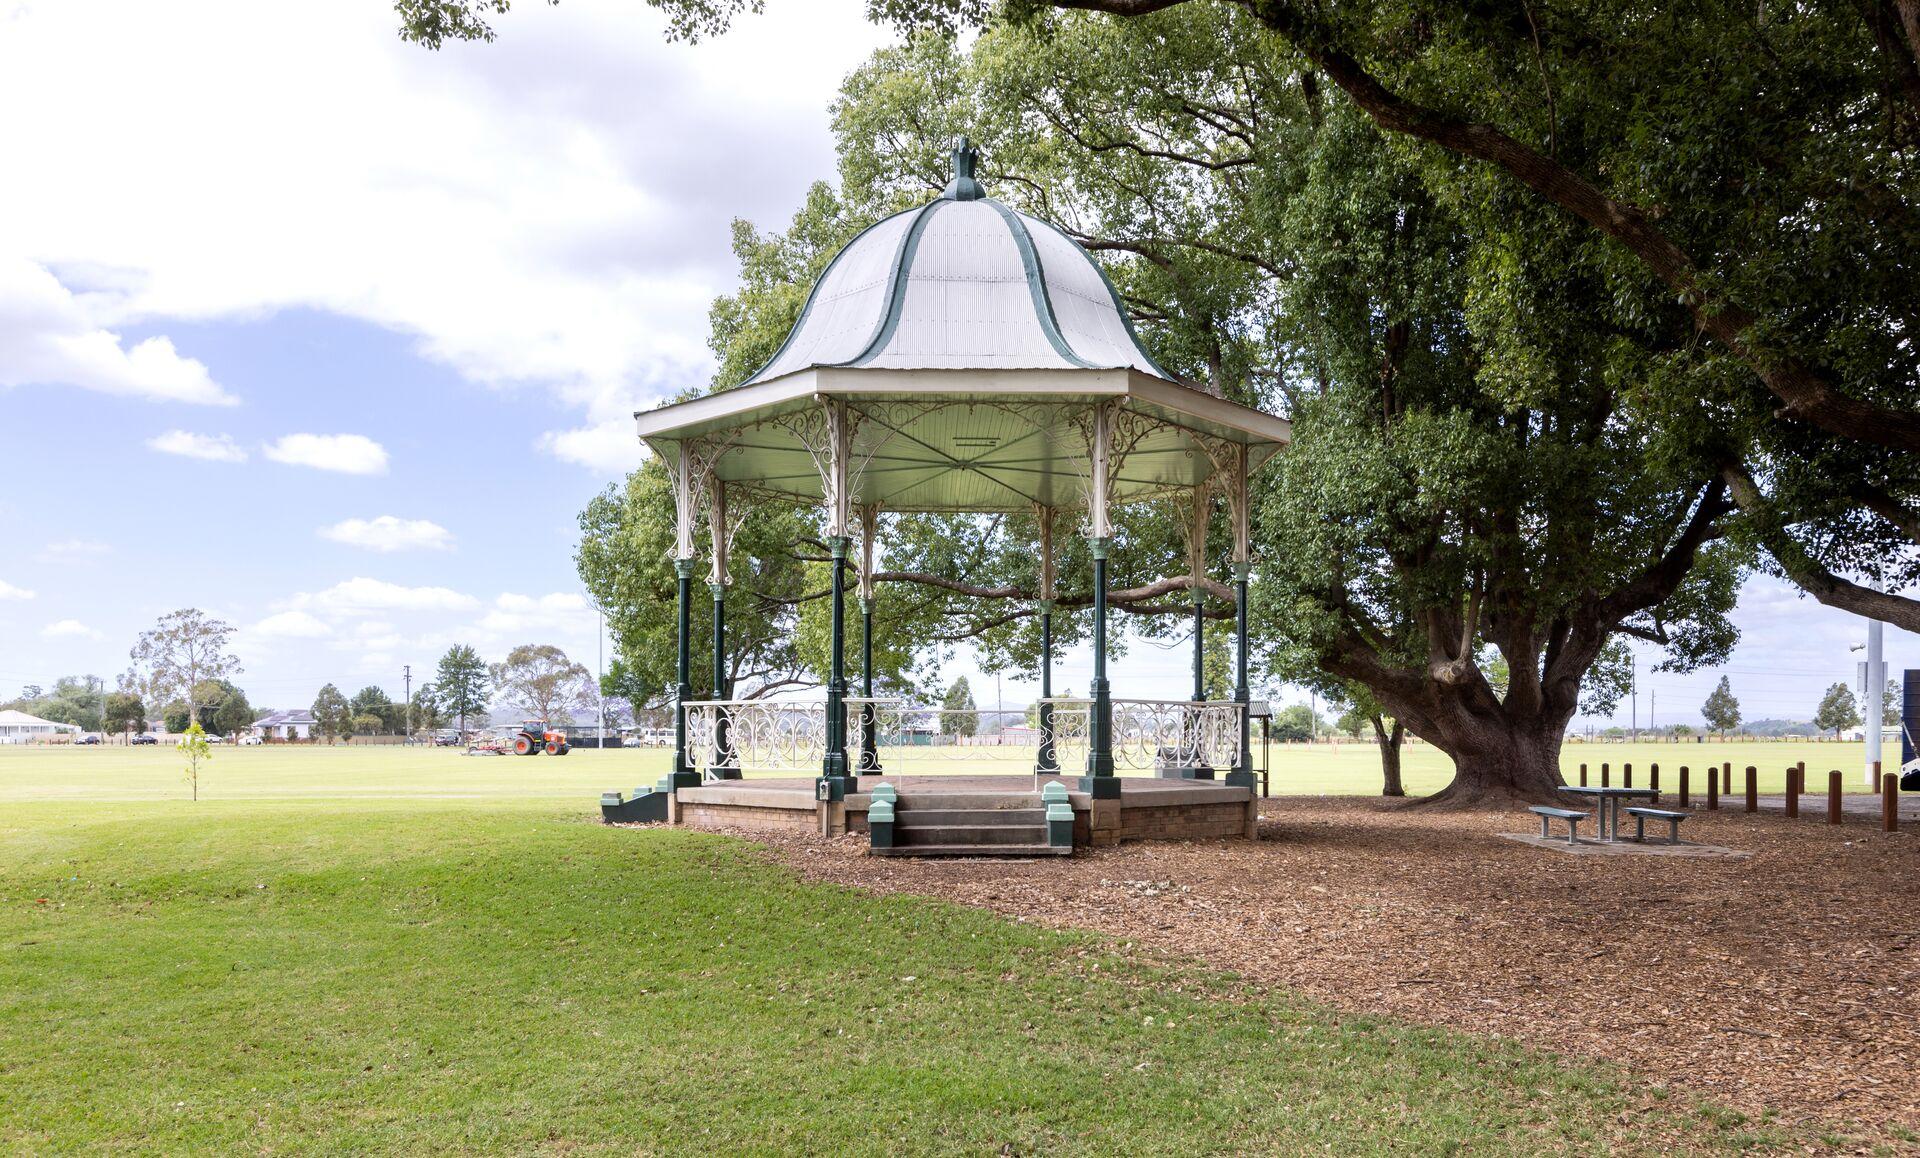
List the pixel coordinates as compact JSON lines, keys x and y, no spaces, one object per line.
{"x":293,"y":724}
{"x":19,"y":728}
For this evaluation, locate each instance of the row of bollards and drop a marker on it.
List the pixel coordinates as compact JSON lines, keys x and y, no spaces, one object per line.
{"x":1722,"y":776}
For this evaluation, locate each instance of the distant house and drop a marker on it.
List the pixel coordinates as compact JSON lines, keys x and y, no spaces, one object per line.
{"x":292,"y":724}
{"x":17,"y":727}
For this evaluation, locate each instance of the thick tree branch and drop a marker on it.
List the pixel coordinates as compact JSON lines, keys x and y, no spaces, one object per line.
{"x":1804,"y":570}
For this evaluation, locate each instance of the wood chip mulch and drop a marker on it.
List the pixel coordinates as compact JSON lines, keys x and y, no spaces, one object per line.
{"x":1788,"y":981}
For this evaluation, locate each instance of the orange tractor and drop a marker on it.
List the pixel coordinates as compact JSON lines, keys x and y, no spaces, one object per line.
{"x":534,"y":737}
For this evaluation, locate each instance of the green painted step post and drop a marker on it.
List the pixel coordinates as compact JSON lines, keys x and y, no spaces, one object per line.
{"x":880,"y":816}
{"x":1059,"y":815}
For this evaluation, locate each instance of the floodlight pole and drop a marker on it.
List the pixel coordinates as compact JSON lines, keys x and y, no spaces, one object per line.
{"x":1876,"y":693}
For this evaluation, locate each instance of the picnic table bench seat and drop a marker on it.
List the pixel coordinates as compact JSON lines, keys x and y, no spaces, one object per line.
{"x":1548,"y":814}
{"x":1642,"y":815}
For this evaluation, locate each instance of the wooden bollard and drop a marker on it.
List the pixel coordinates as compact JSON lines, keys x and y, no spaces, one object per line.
{"x":1583,"y":775}
{"x":1653,"y":781}
{"x":1889,"y":803}
{"x":1793,"y":791}
{"x":1626,"y":775}
{"x":1713,"y":788}
{"x":1726,"y":781}
{"x":1753,"y":789}
{"x":1833,"y":797}
{"x":1686,"y":789}
{"x":1603,"y":774}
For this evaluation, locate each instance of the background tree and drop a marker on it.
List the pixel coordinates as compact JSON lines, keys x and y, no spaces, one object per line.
{"x":1296,"y":723}
{"x":460,"y":683}
{"x":1364,"y":711}
{"x":539,"y":681}
{"x":224,"y":707}
{"x":372,"y":701}
{"x":1721,"y":711}
{"x":124,"y":714}
{"x":428,"y":713}
{"x":1837,"y":711}
{"x":960,"y":715}
{"x":193,"y":745}
{"x":368,"y":723}
{"x":181,"y":652}
{"x":331,"y":713}
{"x":1890,"y":704}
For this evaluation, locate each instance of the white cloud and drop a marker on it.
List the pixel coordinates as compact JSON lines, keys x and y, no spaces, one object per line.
{"x":292,"y":625}
{"x":562,"y":612}
{"x":609,"y":447}
{"x":564,"y":226}
{"x":51,"y":336}
{"x":9,"y":591}
{"x":212,"y":447}
{"x":346,"y":453}
{"x":388,"y":533}
{"x":360,"y":596}
{"x":67,"y":549}
{"x":69,"y":629}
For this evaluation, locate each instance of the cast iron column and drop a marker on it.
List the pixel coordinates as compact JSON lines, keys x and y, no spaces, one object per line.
{"x":1199,"y":648}
{"x":835,"y":766}
{"x":1100,"y":780}
{"x":1242,"y":766}
{"x":725,"y":767}
{"x":683,"y":773}
{"x":869,"y":743}
{"x":1049,"y":762}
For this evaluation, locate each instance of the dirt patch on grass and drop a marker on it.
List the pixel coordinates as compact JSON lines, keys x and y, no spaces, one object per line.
{"x":1788,"y":981}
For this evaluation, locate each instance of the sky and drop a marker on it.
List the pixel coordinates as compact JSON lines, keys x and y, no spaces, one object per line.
{"x":332,"y":336}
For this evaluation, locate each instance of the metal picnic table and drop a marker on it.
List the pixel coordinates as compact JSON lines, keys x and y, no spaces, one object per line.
{"x":1610,"y":800}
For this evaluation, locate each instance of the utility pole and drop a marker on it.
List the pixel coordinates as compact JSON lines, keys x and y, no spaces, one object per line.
{"x":1633,"y":692}
{"x":406,"y":674}
{"x":600,"y":675}
{"x":1653,"y":708}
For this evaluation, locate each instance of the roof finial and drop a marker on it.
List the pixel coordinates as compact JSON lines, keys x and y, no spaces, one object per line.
{"x":964,"y":187}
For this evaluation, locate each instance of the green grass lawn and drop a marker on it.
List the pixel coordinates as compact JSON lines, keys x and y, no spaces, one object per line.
{"x":278,"y":772}
{"x":358,"y":974}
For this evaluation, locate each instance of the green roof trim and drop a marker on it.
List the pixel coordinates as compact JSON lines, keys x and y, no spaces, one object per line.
{"x":800,"y":323}
{"x":1037,"y":285}
{"x":1119,"y":305}
{"x":896,"y":288}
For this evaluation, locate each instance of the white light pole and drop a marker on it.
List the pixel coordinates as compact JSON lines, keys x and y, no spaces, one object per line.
{"x":1876,"y":691}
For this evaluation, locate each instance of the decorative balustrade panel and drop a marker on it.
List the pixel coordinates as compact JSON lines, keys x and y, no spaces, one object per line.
{"x":784,"y":735}
{"x":761,"y":735}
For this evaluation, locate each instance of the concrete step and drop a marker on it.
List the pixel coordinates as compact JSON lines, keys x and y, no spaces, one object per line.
{"x":920,"y":817}
{"x":983,"y":850}
{"x":969,"y":801}
{"x":983,"y":834}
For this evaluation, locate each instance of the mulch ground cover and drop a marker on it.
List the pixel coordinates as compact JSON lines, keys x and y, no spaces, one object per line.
{"x":1787,"y":982}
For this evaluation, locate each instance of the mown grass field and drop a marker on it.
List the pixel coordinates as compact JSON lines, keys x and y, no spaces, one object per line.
{"x":112,"y":772}
{"x":319,"y":969}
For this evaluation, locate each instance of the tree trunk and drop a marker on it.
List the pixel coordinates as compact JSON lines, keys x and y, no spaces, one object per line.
{"x":1500,"y":763}
{"x":1389,"y":740}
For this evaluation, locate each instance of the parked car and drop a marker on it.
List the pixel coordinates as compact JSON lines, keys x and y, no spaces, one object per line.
{"x":145,"y":739}
{"x":249,"y":740}
{"x":88,"y":740}
{"x":216,"y":738}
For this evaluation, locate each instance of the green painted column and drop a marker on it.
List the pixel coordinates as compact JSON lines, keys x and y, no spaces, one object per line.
{"x":1199,"y":647}
{"x":1100,"y":780}
{"x":835,"y":765}
{"x":869,"y":743}
{"x":1049,"y":762}
{"x":683,"y":771}
{"x":728,"y":768}
{"x":1243,"y":768}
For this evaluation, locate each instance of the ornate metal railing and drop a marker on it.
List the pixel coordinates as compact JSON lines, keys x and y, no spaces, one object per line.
{"x":787,"y":735}
{"x":1150,"y":733}
{"x":763,"y":735}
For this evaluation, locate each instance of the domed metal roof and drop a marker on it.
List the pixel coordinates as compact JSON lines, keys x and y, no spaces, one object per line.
{"x":962,"y":283}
